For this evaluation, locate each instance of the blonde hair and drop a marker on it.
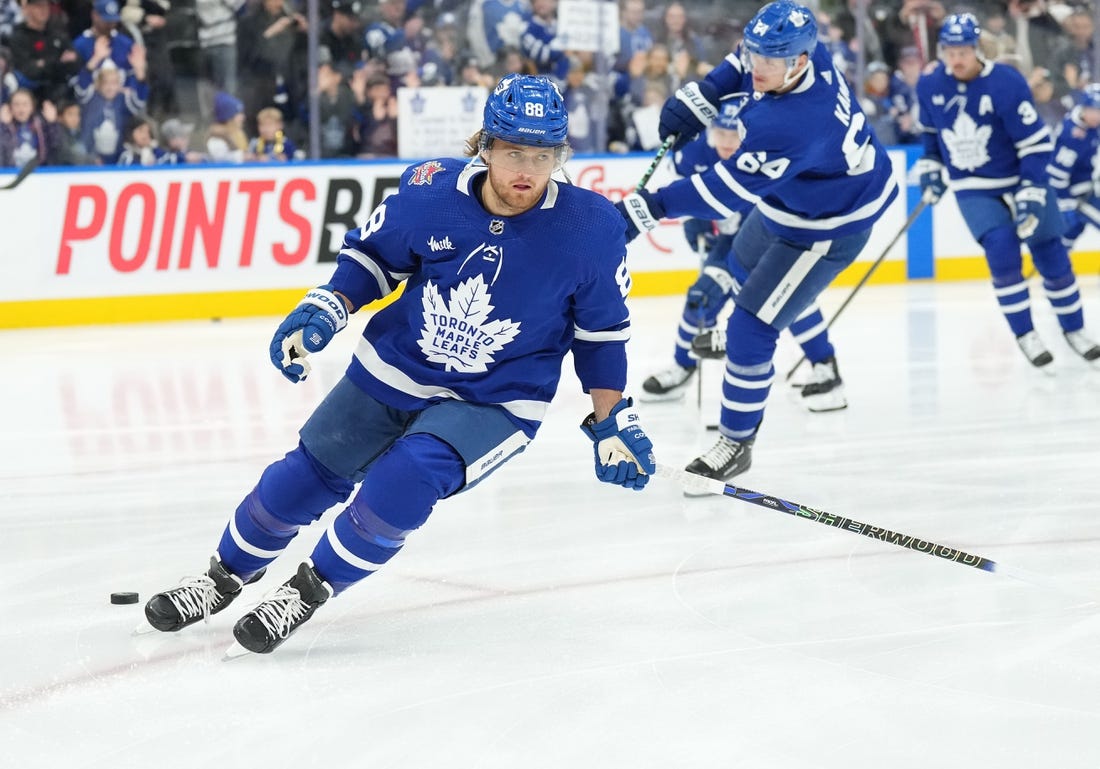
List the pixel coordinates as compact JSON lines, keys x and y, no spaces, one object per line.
{"x":473,"y":143}
{"x":270,"y":113}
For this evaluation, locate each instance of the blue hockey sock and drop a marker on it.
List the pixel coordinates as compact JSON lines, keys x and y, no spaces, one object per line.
{"x":1065,"y":298}
{"x":1015,"y":302}
{"x":749,"y":374}
{"x":810,"y":331}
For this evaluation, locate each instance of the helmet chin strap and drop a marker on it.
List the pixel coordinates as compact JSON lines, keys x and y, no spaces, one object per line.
{"x":794,"y":71}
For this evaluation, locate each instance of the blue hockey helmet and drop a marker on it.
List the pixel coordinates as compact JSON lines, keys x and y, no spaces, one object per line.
{"x":960,"y":29}
{"x":528,"y":110}
{"x":781,"y":30}
{"x":1090,"y":97}
{"x":729,"y":115}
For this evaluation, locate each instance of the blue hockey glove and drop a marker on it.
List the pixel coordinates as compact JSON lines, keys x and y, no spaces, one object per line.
{"x":932,"y":184}
{"x":707,"y":296}
{"x":700,"y":235}
{"x":1031,"y":201}
{"x":307,"y":329}
{"x":1072,"y":223}
{"x":687,"y":112}
{"x":624,"y":453}
{"x":641,"y":212}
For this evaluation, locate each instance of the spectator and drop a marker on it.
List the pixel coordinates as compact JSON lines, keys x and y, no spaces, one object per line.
{"x":226,"y":140}
{"x":385,"y":39}
{"x":585,"y":106}
{"x":540,"y":44}
{"x":105,"y":19}
{"x":342,"y":36}
{"x":659,"y":77}
{"x":268,"y":38}
{"x":1071,"y":64}
{"x":8,"y":82}
{"x":150,"y":18}
{"x":685,"y":45}
{"x":25,"y":134}
{"x":903,"y":96}
{"x":472,"y":74}
{"x":70,"y":149}
{"x":107,"y":106}
{"x":375,"y":129}
{"x":139,"y":149}
{"x":916,"y":24}
{"x":634,"y":37}
{"x":42,"y":55}
{"x":876,"y":102}
{"x":271,"y":143}
{"x":1037,"y":35}
{"x":338,"y":110}
{"x":217,"y":34}
{"x":10,"y":16}
{"x":493,"y":24}
{"x":1044,"y":94}
{"x":175,"y":137}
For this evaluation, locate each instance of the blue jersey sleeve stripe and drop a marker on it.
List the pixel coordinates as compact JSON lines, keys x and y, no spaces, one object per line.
{"x":1038,"y":136}
{"x":1039,"y":148}
{"x":386,"y":281}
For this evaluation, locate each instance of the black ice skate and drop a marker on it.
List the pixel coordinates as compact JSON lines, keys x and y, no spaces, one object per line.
{"x":1082,"y":345}
{"x":722,"y":461}
{"x":710,"y":344}
{"x":824,"y":390}
{"x":1033,"y":347}
{"x":195,"y":598}
{"x":264,"y":628}
{"x":667,"y":385}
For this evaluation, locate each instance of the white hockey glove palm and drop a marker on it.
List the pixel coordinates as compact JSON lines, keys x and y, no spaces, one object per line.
{"x":624,"y":453}
{"x":1030,"y":203}
{"x":310,"y":327}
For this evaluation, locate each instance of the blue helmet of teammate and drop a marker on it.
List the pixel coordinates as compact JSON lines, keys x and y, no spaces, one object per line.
{"x":960,"y":29}
{"x":1090,"y":97}
{"x":781,"y":30}
{"x":529,"y":110}
{"x":728,"y":115}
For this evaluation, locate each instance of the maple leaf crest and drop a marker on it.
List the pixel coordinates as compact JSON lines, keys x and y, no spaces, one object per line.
{"x":458,"y":333}
{"x":967,"y":143}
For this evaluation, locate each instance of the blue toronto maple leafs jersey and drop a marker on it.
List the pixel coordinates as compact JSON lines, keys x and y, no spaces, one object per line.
{"x":808,"y":161}
{"x":491,"y":304}
{"x":1074,"y":164}
{"x":696,"y":157}
{"x":985,"y":131}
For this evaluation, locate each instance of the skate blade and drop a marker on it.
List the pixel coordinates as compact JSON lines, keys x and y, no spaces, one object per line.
{"x":234,"y":651}
{"x":144,"y":629}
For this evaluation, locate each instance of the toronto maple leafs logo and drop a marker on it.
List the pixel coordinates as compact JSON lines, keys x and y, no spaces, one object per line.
{"x":967,"y":143}
{"x":424,"y":172}
{"x":458,"y":333}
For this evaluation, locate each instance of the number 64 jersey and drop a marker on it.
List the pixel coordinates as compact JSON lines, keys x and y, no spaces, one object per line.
{"x":491,"y":304}
{"x":986,"y":131}
{"x":808,"y":161}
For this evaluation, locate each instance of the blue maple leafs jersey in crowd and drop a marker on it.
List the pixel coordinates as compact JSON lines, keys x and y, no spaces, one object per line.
{"x":491,"y":304}
{"x":808,"y":160}
{"x":985,"y":131}
{"x":1074,"y":164}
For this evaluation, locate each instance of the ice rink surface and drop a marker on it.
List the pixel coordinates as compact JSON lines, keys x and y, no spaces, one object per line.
{"x":545,"y":620}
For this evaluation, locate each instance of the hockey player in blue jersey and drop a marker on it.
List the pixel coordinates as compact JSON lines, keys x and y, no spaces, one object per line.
{"x":509,"y":272}
{"x":719,"y":281}
{"x":816,"y":177}
{"x":980,"y":126}
{"x":1074,"y":170}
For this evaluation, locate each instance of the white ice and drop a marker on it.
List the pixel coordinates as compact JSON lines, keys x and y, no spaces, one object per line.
{"x":545,"y":620}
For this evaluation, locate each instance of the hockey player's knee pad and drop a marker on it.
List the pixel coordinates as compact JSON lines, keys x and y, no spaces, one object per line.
{"x":1052,"y":260}
{"x":1002,"y":252}
{"x":297,"y":489}
{"x":403,"y":485}
{"x":749,"y":340}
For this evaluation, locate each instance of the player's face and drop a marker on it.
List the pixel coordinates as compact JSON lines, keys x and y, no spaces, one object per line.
{"x":1091,"y":116}
{"x":962,"y":61}
{"x":770,"y":74}
{"x":518,"y":176}
{"x":725,"y":141}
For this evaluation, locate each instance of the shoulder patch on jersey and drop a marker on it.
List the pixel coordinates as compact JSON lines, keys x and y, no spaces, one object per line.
{"x":1078,"y":133}
{"x":424,"y":172}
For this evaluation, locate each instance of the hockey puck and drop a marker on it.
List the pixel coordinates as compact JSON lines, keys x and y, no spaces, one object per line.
{"x":123,"y":598}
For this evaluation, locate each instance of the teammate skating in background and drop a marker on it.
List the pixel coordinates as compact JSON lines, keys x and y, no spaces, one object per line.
{"x":981,"y":126}
{"x":1072,"y":171}
{"x":805,"y":148}
{"x":511,"y":271}
{"x":719,"y":282}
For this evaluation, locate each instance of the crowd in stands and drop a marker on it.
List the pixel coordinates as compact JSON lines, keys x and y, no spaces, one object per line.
{"x":143,"y":82}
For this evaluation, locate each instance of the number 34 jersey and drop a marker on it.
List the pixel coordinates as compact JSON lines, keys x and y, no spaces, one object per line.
{"x":491,"y":304}
{"x":808,"y":161}
{"x":986,"y":130}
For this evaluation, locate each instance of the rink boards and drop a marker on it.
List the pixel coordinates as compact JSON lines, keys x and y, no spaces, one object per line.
{"x":105,"y":246}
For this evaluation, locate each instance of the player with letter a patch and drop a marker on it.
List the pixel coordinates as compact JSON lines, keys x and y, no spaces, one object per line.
{"x":980,"y":128}
{"x":815,"y":178}
{"x":511,"y":271}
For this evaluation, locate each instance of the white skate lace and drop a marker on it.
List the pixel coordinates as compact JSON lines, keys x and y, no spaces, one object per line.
{"x":194,"y":597}
{"x":720,"y":454}
{"x":280,"y":611}
{"x":716,"y":339}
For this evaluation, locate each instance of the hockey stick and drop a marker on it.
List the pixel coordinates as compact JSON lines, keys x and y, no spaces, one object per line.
{"x":24,"y":172}
{"x":867,"y":276}
{"x":654,"y":163}
{"x":698,"y":483}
